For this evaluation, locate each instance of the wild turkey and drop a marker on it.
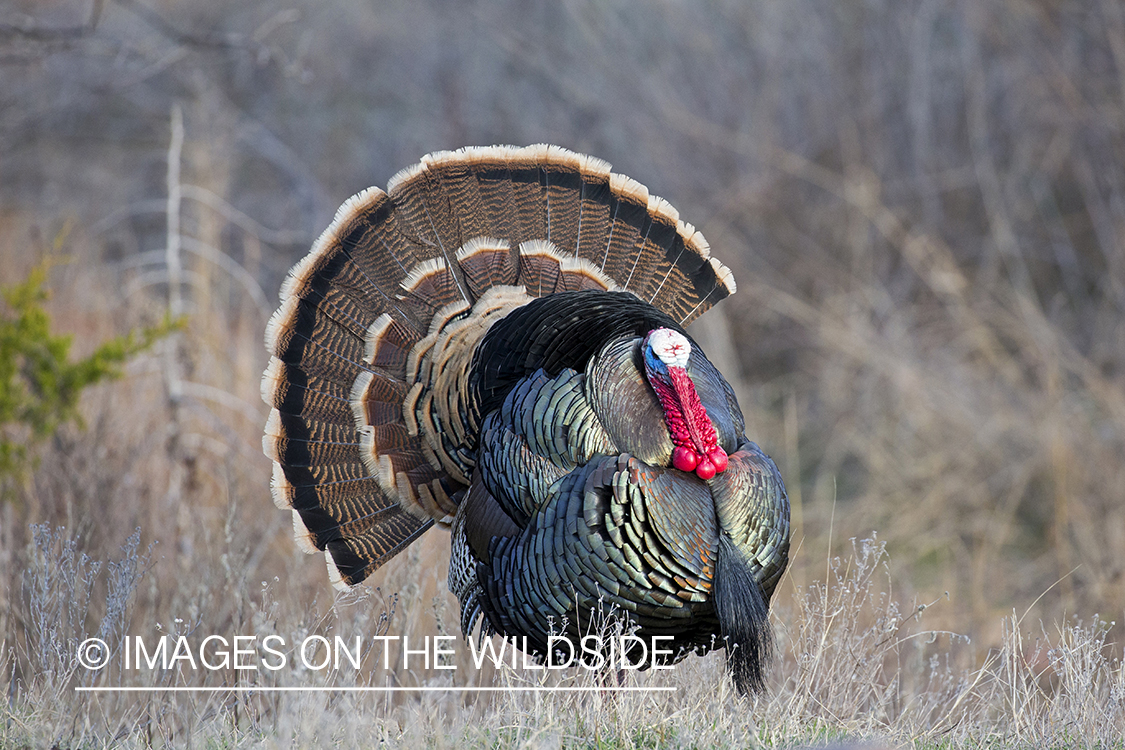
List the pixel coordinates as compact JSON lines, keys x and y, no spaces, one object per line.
{"x":496,"y":344}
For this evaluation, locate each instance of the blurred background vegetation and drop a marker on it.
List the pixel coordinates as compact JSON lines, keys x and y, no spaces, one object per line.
{"x":923,"y":203}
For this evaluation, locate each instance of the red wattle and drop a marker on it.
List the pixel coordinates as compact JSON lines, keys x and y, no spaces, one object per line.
{"x":693,"y":434}
{"x":684,"y":459}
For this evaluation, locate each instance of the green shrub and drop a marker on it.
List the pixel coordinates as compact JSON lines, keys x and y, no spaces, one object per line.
{"x":39,"y":385}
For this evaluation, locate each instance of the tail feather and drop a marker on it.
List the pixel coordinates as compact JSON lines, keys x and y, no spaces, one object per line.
{"x":540,"y":270}
{"x":528,"y":204}
{"x":326,"y":486}
{"x":462,"y":191}
{"x":330,"y":505}
{"x":353,"y":558}
{"x":656,"y":232}
{"x":387,"y":345}
{"x":426,"y":222}
{"x":629,"y":215}
{"x":422,"y":202}
{"x":594,"y":220}
{"x":572,"y":201}
{"x":659,"y":237}
{"x":579,"y":274}
{"x":308,"y":452}
{"x":376,"y":399}
{"x":371,"y":234}
{"x":294,"y":392}
{"x":497,"y":193}
{"x":487,"y":262}
{"x":282,"y":443}
{"x":298,"y":335}
{"x":681,"y":270}
{"x":562,"y":195}
{"x":430,"y":286}
{"x":336,"y":288}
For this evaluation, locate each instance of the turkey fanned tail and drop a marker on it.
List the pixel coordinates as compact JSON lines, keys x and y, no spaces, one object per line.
{"x":496,"y":344}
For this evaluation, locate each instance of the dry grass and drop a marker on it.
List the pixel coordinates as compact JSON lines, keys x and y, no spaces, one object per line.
{"x":924,"y":206}
{"x":854,"y":662}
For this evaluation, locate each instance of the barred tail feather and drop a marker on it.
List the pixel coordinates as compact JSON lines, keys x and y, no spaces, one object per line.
{"x":572,"y":201}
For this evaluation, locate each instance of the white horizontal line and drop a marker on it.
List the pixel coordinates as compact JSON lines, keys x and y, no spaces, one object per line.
{"x":317,"y":689}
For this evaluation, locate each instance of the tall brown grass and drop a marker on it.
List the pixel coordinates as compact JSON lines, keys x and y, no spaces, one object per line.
{"x":854,"y":661}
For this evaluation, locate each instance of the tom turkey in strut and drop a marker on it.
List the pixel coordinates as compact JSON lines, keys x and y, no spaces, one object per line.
{"x":496,"y":344}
